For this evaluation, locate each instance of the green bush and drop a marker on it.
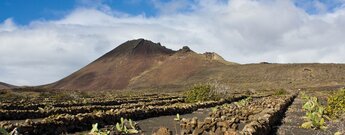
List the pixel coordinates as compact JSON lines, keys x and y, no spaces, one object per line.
{"x":280,"y":92}
{"x":9,"y":95}
{"x":2,"y":92}
{"x":200,"y":92}
{"x":3,"y":132}
{"x":62,"y":96}
{"x":336,"y":104}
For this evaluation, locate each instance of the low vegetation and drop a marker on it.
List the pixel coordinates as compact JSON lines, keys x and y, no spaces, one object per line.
{"x":244,"y":102}
{"x":336,"y":104}
{"x":177,"y":117}
{"x":126,"y":126}
{"x":9,"y":95}
{"x":3,"y":132}
{"x":315,"y":113}
{"x":200,"y":92}
{"x":280,"y":92}
{"x":96,"y":131}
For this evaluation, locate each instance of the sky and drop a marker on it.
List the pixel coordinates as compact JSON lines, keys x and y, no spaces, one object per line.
{"x":42,"y":41}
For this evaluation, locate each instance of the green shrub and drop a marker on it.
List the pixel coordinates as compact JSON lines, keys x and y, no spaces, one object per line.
{"x":10,"y":95}
{"x":3,"y":132}
{"x":84,"y":94}
{"x":336,"y":104}
{"x":315,"y":113}
{"x":62,"y":96}
{"x":280,"y":92}
{"x":200,"y":92}
{"x":2,"y":92}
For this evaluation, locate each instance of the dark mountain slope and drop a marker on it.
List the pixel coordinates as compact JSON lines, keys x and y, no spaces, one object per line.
{"x":5,"y":86}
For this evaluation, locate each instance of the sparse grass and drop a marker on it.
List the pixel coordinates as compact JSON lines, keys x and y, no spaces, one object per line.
{"x":10,"y":95}
{"x":244,"y":102}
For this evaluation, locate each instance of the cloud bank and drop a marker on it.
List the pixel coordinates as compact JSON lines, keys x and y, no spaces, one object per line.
{"x":244,"y":31}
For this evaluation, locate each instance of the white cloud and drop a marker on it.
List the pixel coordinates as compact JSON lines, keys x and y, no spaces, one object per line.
{"x":7,"y":26}
{"x":245,"y":31}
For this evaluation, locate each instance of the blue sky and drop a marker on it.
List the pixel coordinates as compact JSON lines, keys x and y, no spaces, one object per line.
{"x":42,"y":41}
{"x":24,"y":11}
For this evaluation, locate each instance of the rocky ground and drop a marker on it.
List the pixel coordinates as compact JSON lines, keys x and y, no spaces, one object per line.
{"x":261,"y":113}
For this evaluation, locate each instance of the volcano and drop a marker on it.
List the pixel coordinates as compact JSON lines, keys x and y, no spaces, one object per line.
{"x":143,"y":64}
{"x":140,"y":64}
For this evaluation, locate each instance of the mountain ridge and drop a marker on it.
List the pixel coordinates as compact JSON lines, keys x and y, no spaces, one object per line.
{"x":142,"y":64}
{"x":6,"y":86}
{"x":133,"y":60}
{"x":139,"y":47}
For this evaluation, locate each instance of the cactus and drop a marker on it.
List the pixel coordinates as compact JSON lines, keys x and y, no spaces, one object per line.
{"x":121,"y":127}
{"x":131,"y":123}
{"x":94,"y":128}
{"x":96,"y":131}
{"x":177,"y":117}
{"x":118,"y":127}
{"x":315,"y":114}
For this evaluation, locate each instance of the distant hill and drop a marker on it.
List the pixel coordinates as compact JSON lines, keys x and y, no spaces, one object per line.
{"x":139,"y":63}
{"x":143,"y":64}
{"x":274,"y":76}
{"x":5,"y":86}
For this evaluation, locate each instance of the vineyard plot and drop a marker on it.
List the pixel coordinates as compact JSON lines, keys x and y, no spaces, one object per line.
{"x":74,"y":121}
{"x":248,"y":116}
{"x":291,"y":124}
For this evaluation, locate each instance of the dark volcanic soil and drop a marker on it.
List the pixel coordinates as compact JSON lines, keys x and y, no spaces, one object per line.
{"x":152,"y":124}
